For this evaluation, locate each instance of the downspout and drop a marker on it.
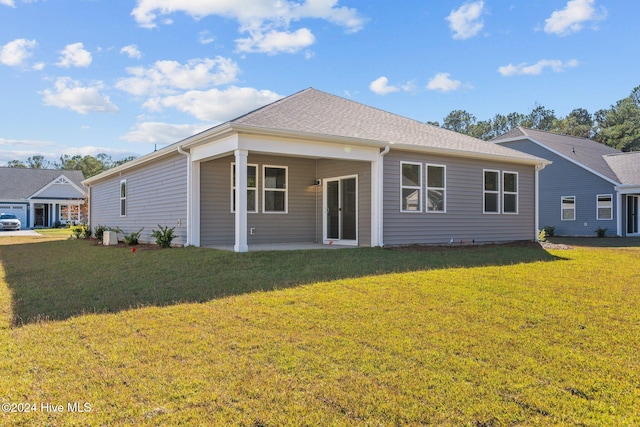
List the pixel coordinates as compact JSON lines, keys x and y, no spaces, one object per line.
{"x":189,"y":225}
{"x":381,"y":195}
{"x":537,"y":204}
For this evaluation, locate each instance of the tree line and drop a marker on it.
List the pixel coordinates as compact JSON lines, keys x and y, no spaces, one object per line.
{"x":89,"y":165}
{"x":617,"y":126}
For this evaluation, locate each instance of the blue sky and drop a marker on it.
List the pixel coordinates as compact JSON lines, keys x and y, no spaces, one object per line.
{"x":116,"y":77}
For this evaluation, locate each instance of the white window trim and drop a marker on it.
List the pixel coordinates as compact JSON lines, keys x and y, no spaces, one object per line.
{"x":516,"y":193}
{"x":123,"y":198}
{"x":411,"y":187}
{"x":562,"y":208}
{"x":285,"y":190}
{"x":233,"y":187}
{"x":485,"y":192}
{"x":69,"y":207}
{"x":610,"y":196}
{"x":444,"y":189}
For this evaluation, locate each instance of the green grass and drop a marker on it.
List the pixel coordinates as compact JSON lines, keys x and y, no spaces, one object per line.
{"x":476,"y":336}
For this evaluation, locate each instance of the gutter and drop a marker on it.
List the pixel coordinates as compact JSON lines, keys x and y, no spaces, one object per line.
{"x":537,"y":202}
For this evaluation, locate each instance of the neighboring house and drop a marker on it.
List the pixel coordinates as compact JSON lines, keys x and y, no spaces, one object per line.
{"x":42,"y":197}
{"x":588,"y":186}
{"x":317,"y":168}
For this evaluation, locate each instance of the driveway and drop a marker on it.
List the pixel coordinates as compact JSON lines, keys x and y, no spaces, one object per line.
{"x":19,"y":233}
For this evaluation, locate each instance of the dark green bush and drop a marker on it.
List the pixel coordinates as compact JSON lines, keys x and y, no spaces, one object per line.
{"x":164,"y":236}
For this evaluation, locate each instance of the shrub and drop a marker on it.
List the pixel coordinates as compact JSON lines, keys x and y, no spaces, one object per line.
{"x":542,"y":235}
{"x":549,"y":230}
{"x":82,"y":231}
{"x":133,"y":238}
{"x":601,"y":232}
{"x":164,"y":236}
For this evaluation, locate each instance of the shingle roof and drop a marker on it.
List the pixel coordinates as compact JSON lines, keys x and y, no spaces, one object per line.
{"x":316,"y":112}
{"x":626,"y":166}
{"x":584,"y":151}
{"x":20,"y":183}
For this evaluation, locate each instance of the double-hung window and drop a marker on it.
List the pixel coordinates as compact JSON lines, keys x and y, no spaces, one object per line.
{"x":411,"y":187}
{"x":436,"y":188}
{"x":491,"y":191}
{"x":510,"y":192}
{"x":568,"y":208}
{"x":70,"y":213}
{"x":275,"y":189}
{"x":605,"y":206}
{"x":252,"y":188}
{"x":123,"y":197}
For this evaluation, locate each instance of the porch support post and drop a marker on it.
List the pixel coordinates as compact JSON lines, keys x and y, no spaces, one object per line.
{"x":194,"y":214}
{"x":619,"y":226}
{"x":241,"y":201}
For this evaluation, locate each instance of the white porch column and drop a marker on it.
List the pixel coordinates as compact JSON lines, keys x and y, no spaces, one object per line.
{"x":375,"y":203}
{"x":619,"y":226}
{"x":194,"y":213}
{"x":241,"y":201}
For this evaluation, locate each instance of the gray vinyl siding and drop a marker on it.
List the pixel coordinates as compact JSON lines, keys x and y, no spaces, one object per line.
{"x":296,"y":226}
{"x":302,"y":223}
{"x":464,"y":219}
{"x":564,"y":178}
{"x":156,"y":195}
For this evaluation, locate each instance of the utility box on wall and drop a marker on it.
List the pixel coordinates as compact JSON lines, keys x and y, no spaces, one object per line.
{"x":109,"y":238}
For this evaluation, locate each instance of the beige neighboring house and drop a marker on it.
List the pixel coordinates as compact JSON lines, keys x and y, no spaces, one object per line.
{"x":318,"y":168}
{"x":40,"y":198}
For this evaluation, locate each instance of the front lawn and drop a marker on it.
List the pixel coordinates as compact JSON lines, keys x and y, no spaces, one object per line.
{"x":469,"y":336}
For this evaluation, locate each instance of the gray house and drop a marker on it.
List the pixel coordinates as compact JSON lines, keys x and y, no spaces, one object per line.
{"x":588,"y":186}
{"x":317,"y":168}
{"x":42,"y":197}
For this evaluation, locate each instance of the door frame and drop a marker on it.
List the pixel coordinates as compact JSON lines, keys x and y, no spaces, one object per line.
{"x":635,"y":199}
{"x":325,"y":211}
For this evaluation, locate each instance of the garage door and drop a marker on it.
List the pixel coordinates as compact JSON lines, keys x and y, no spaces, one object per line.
{"x":18,"y":210}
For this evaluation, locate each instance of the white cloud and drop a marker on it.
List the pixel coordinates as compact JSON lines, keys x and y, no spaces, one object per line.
{"x":74,"y":55}
{"x":381,"y":86}
{"x":572,"y":18}
{"x":533,"y":70}
{"x":161,"y":133}
{"x":266,"y":21}
{"x":131,"y":51}
{"x":9,"y":3}
{"x":273,"y":41}
{"x":466,"y":22}
{"x":214,"y":105}
{"x":16,"y":52}
{"x":165,"y":77}
{"x":68,"y":93}
{"x":444,"y":83}
{"x":205,"y":37}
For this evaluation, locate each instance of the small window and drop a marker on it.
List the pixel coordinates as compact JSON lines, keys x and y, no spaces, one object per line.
{"x":123,"y":197}
{"x":510,"y":192}
{"x":605,"y":206}
{"x":568,"y":208}
{"x":411,"y":187}
{"x":436,"y":188}
{"x":252,"y":188}
{"x":274,"y":194}
{"x":491,"y":191}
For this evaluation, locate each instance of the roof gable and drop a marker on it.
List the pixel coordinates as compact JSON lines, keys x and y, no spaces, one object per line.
{"x":581,"y":151}
{"x":626,"y":166}
{"x":25,"y":183}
